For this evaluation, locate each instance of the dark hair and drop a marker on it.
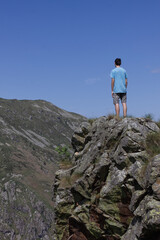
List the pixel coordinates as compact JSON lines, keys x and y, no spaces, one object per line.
{"x":118,"y":61}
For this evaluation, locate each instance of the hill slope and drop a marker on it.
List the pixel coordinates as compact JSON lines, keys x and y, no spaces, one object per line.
{"x":29,"y":133}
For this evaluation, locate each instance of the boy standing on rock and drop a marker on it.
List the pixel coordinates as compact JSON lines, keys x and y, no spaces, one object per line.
{"x":119,"y":87}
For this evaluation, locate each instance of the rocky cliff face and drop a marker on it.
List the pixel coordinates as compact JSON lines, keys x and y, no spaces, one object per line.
{"x":29,"y":133}
{"x":112,"y":190}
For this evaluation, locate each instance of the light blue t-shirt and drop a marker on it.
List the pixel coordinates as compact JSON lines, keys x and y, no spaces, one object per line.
{"x":119,"y":74}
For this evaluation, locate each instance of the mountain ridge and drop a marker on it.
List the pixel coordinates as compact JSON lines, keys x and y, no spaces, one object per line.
{"x":30,"y":132}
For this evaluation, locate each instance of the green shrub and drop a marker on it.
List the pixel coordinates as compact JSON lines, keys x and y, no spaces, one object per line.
{"x":63,"y":153}
{"x":148,"y":116}
{"x":153,"y":144}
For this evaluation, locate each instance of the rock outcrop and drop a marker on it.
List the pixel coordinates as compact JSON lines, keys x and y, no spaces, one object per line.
{"x":112,"y":190}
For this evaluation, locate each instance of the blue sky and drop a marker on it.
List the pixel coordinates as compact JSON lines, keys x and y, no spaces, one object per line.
{"x":63,"y":51}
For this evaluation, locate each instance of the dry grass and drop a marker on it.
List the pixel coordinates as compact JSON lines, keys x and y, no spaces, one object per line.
{"x":153,"y":144}
{"x":68,"y":181}
{"x":65,"y":164}
{"x":65,"y":182}
{"x":158,"y":123}
{"x":75,"y":176}
{"x":92,"y":120}
{"x":110,"y":116}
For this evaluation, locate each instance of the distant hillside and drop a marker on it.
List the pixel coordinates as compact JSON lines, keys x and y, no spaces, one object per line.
{"x":29,"y":133}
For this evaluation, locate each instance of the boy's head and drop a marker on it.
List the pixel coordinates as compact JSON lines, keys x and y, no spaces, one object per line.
{"x":117,"y":61}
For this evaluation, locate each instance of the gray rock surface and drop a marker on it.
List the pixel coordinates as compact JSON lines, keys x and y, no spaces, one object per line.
{"x":112,"y":191}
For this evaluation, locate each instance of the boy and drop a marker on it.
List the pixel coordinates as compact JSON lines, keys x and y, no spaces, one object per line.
{"x":119,"y":87}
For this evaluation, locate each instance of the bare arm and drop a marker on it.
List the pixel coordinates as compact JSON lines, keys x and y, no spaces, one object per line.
{"x":112,"y":85}
{"x":126,"y":82}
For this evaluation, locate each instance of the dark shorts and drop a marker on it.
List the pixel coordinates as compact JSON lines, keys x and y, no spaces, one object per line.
{"x":117,"y":96}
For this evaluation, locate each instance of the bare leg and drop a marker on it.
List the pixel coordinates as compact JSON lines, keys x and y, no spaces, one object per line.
{"x":124,"y":109}
{"x":117,"y":109}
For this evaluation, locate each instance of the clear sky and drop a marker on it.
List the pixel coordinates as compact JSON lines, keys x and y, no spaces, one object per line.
{"x":63,"y":51}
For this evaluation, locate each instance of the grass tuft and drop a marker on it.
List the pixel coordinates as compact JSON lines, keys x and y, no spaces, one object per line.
{"x":65,"y":164}
{"x":92,"y":120}
{"x":110,"y":116}
{"x":69,"y":180}
{"x":158,"y":123}
{"x":153,"y":144}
